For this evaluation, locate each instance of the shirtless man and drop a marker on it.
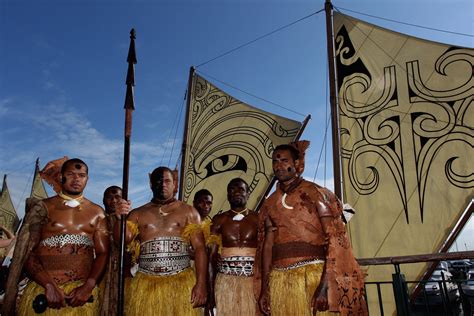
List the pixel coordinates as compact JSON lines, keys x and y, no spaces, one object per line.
{"x":237,"y":227}
{"x":71,"y":249}
{"x":109,"y":286}
{"x":165,"y":284}
{"x":202,"y":202}
{"x":304,"y":247}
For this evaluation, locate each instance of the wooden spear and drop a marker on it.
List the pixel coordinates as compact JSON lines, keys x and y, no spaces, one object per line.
{"x":129,"y":107}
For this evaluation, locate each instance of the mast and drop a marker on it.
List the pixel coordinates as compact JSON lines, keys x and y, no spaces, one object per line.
{"x":334,"y":113}
{"x":129,"y":107}
{"x":185,"y":136}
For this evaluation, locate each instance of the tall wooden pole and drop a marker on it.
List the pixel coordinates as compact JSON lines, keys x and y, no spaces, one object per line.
{"x":129,"y":107}
{"x":332,"y":90}
{"x":185,"y":135}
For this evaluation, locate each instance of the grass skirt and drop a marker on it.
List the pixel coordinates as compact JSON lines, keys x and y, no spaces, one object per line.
{"x":234,"y":296}
{"x":33,"y":289}
{"x":151,"y":295}
{"x":291,"y":291}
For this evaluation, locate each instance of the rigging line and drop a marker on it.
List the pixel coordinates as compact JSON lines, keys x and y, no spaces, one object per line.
{"x":24,"y":190}
{"x":325,"y":133}
{"x":177,"y":125}
{"x":322,"y":148}
{"x":20,"y":168}
{"x":259,"y":38}
{"x":251,"y":94}
{"x":405,"y":23}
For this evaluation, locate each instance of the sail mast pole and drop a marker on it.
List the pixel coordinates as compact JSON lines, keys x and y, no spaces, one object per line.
{"x":129,"y":107}
{"x":332,"y":90}
{"x":185,"y":136}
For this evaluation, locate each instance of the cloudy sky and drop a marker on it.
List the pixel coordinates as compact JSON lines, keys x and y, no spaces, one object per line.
{"x":63,"y":67}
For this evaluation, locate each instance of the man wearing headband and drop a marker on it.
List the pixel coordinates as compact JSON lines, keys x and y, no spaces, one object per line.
{"x":306,"y":258}
{"x":69,"y":248}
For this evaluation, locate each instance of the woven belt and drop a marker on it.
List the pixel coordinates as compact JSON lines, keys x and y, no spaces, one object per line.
{"x":163,"y":256}
{"x":298,"y":264}
{"x":67,"y":239}
{"x":236,"y":266}
{"x":298,"y":249}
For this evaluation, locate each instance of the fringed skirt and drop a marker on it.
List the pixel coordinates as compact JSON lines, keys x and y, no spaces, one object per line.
{"x":234,"y":296}
{"x":291,"y":291}
{"x":33,"y":289}
{"x":151,"y":295}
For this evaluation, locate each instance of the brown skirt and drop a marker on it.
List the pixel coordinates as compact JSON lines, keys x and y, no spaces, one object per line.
{"x":234,"y":296}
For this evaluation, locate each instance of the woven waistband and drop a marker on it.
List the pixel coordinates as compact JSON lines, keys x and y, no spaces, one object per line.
{"x":237,"y":265}
{"x":297,"y":249}
{"x":67,"y":239}
{"x":163,"y":256}
{"x":299,"y":264}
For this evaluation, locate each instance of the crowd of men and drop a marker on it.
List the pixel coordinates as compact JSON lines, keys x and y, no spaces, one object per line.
{"x":291,"y":258}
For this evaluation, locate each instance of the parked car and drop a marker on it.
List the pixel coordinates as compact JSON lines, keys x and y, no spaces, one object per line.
{"x":436,"y":293}
{"x":468,"y":289}
{"x":463,"y":265}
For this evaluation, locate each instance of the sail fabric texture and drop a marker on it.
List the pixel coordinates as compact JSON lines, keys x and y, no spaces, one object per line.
{"x":8,"y":217}
{"x":37,"y":189}
{"x":225,"y":139}
{"x":406,"y":120}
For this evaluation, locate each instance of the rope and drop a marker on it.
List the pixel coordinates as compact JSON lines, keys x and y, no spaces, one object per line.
{"x":259,"y":38}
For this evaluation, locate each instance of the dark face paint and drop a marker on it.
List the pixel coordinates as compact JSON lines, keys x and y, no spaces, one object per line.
{"x":162,"y":185}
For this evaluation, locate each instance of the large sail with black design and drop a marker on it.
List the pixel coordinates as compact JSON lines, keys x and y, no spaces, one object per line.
{"x":406,"y":120}
{"x":226,"y":138}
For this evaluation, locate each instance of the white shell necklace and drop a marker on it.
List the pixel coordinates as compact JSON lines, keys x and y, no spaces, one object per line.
{"x":69,"y":201}
{"x":239,"y":215}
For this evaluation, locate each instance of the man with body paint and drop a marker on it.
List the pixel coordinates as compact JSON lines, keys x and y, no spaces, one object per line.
{"x":69,"y":248}
{"x":233,"y":270}
{"x":307,"y":265}
{"x":165,"y":284}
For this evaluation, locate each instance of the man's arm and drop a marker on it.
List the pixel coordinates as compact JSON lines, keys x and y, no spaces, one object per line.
{"x":80,"y":295}
{"x":320,"y":297}
{"x":213,"y":260}
{"x":123,"y":208}
{"x":54,"y":295}
{"x":199,"y":292}
{"x":264,"y":300}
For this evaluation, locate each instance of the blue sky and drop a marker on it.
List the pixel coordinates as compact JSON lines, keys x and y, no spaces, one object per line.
{"x":63,"y":67}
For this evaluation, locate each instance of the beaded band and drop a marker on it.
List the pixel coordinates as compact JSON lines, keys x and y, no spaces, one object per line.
{"x":67,"y":239}
{"x":298,"y":265}
{"x":236,"y":266}
{"x":163,"y":256}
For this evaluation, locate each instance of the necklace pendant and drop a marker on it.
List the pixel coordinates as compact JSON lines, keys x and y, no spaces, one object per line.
{"x":283,"y":202}
{"x":72,"y":203}
{"x":238,"y":217}
{"x":160,"y":211}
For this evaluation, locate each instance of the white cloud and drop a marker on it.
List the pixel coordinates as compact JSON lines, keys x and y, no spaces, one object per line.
{"x":58,"y":130}
{"x":4,"y":106}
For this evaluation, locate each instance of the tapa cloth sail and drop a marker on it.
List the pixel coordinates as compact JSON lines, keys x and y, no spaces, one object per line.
{"x":406,"y":122}
{"x":8,"y":217}
{"x":227,"y":138}
{"x":37,"y":188}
